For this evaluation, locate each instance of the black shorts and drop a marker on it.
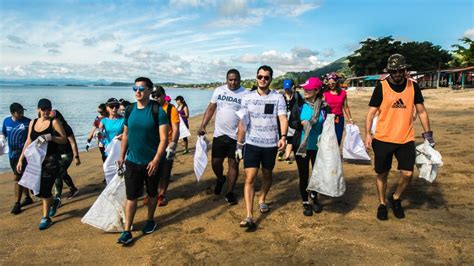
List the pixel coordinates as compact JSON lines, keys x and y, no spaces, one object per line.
{"x":13,"y":163}
{"x":254,"y":156}
{"x":49,"y":173}
{"x":136,"y":176}
{"x":164,"y":169}
{"x":223,"y":147}
{"x":384,"y":151}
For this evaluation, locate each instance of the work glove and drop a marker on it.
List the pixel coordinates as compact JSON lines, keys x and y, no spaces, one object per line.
{"x":44,"y":138}
{"x":429,"y":137}
{"x":238,"y":152}
{"x":88,"y":145}
{"x":170,"y":151}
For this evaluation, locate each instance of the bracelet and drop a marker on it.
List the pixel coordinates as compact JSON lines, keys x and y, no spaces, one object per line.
{"x":283,"y":136}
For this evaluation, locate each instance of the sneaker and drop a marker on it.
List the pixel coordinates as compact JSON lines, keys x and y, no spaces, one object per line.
{"x":16,"y":208}
{"x":307,"y":209}
{"x":54,"y":207}
{"x":73,"y":192}
{"x":45,"y":223}
{"x":26,"y":201}
{"x":162,"y":201}
{"x":396,"y":207}
{"x":150,"y":227}
{"x":230,"y":198}
{"x":186,"y":151}
{"x":125,"y":238}
{"x":219,"y":185}
{"x":382,"y":213}
{"x":317,"y":207}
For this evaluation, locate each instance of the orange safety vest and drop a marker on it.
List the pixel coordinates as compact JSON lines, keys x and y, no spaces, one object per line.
{"x":395,"y":120}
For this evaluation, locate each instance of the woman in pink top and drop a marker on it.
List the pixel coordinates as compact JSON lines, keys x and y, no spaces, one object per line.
{"x":337,"y":100}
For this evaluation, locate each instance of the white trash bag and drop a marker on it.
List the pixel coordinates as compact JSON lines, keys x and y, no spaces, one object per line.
{"x":428,"y":160}
{"x":113,"y":151}
{"x":327,"y":176}
{"x":34,"y":155}
{"x":354,"y":147}
{"x":3,"y":145}
{"x":183,"y":129}
{"x":108,"y":211}
{"x":200,"y":157}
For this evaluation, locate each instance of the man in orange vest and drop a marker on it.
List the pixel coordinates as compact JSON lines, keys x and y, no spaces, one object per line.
{"x":395,"y":98}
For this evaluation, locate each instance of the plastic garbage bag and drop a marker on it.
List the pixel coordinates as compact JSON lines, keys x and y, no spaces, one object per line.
{"x":200,"y":157}
{"x":3,"y":145}
{"x":327,"y":176}
{"x":34,"y":155}
{"x":428,"y":160}
{"x":183,"y":129}
{"x":108,"y":211}
{"x":113,"y":151}
{"x":354,"y":147}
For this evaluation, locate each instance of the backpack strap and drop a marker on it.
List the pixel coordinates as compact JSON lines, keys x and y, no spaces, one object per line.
{"x":155,"y":109}
{"x":168,"y":112}
{"x":128,"y":111}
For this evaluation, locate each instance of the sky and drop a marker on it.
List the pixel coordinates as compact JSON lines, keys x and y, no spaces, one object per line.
{"x":197,"y":41}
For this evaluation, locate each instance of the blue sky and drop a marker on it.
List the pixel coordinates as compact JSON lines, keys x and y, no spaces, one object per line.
{"x":191,"y":41}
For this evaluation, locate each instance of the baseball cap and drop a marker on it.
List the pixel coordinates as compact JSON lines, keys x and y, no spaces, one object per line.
{"x":312,"y":83}
{"x":112,"y":101}
{"x":287,"y":84}
{"x":44,"y":104}
{"x":16,"y":107}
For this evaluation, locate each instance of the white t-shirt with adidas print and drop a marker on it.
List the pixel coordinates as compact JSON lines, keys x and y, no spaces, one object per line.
{"x":260,"y":113}
{"x":228,"y":103}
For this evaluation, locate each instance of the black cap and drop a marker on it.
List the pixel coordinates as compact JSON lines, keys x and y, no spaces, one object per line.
{"x":158,"y":90}
{"x":112,"y":101}
{"x":44,"y":103}
{"x":16,"y":107}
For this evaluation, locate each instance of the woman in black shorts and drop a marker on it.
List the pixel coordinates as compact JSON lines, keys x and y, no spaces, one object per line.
{"x":44,"y":128}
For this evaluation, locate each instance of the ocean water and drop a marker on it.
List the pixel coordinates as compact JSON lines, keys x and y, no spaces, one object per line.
{"x":79,"y":104}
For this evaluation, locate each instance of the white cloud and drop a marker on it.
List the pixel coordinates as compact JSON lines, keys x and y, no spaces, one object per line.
{"x":191,"y":3}
{"x":50,"y":45}
{"x":298,"y":59}
{"x":469,"y":33}
{"x":328,"y":52}
{"x":54,"y":51}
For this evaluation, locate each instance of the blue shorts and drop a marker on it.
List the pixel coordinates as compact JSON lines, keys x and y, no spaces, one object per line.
{"x":255,"y":156}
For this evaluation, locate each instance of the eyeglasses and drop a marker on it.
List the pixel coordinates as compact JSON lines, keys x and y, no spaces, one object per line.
{"x":114,"y":106}
{"x":260,"y":77}
{"x":138,"y":88}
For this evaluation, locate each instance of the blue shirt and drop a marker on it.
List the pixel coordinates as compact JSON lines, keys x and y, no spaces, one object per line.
{"x":112,"y":128}
{"x":316,"y":129}
{"x":16,"y":133}
{"x":143,"y":139}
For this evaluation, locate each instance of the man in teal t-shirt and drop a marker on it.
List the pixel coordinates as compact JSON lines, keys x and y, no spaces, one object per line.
{"x":143,"y":143}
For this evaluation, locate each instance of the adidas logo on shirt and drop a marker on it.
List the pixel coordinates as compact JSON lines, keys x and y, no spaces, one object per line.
{"x":399,"y":104}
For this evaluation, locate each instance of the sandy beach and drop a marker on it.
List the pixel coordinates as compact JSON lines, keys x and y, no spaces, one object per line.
{"x":198,"y":227}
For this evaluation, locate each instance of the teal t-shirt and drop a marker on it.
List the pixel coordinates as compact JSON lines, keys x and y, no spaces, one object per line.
{"x":113,"y":128}
{"x":316,"y":129}
{"x":143,"y":138}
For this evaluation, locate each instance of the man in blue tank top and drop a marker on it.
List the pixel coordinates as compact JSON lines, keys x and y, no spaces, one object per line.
{"x":15,"y":129}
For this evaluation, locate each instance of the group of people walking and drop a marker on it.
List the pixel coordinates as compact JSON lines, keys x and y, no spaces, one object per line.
{"x":250,"y":126}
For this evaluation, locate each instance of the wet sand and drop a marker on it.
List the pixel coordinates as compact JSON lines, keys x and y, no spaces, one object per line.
{"x":198,"y":227}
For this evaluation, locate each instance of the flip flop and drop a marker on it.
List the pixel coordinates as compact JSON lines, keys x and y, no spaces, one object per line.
{"x":249,"y":224}
{"x":264,"y":208}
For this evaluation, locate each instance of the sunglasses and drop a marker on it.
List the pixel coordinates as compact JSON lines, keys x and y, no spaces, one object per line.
{"x":260,"y":77}
{"x":331,"y":83}
{"x":155,"y":95}
{"x":138,"y":88}
{"x":397,"y":71}
{"x":114,"y":106}
{"x":45,"y":109}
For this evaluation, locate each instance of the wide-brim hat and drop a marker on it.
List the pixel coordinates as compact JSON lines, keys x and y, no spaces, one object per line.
{"x":396,"y":62}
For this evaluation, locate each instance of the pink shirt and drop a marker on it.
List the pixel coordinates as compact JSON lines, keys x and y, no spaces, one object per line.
{"x":336,"y":102}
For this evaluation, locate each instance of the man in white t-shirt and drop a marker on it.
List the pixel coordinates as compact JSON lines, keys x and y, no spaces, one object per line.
{"x":227,"y":101}
{"x":260,"y":113}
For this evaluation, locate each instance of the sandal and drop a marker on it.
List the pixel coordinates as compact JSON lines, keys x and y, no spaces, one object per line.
{"x":249,"y":224}
{"x":264,"y":208}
